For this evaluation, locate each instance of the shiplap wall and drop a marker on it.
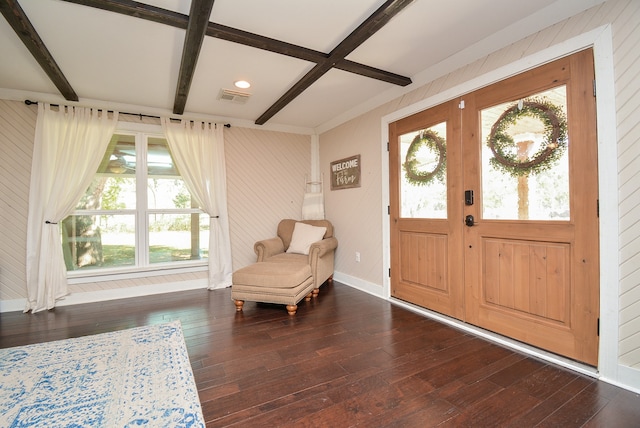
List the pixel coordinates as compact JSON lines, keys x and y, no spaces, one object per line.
{"x":17,"y":129}
{"x":362,"y":135}
{"x":626,"y":42}
{"x":265,"y":183}
{"x":266,"y":173}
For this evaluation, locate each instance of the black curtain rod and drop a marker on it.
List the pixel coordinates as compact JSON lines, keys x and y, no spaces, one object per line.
{"x":29,"y":102}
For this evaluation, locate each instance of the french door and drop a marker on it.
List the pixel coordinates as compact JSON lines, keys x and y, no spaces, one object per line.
{"x":494,"y":209}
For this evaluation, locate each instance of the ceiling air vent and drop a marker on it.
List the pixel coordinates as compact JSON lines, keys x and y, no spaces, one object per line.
{"x":233,"y":96}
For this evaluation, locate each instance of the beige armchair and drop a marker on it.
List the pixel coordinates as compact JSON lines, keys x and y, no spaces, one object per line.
{"x":290,"y":267}
{"x":321,"y":253}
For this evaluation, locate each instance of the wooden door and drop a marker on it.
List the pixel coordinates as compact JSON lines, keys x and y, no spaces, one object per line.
{"x":528,"y":231}
{"x":426,"y":236}
{"x":534,"y":276}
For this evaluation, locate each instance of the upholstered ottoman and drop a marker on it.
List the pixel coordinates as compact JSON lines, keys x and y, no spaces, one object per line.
{"x":281,"y":283}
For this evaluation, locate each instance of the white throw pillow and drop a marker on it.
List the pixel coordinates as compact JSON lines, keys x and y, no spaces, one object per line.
{"x":303,"y":236}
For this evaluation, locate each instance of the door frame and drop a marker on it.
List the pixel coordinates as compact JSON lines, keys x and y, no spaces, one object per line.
{"x":600,"y":39}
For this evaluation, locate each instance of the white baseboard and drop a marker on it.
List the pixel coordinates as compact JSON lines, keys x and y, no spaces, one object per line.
{"x":111,"y":294}
{"x":359,"y":284}
{"x":631,"y":378}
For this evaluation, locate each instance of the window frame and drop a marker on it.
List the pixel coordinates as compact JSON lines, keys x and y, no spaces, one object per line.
{"x":143,"y":267}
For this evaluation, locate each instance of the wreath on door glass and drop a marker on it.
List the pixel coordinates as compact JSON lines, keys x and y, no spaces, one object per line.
{"x":504,"y":149}
{"x":436,"y":144}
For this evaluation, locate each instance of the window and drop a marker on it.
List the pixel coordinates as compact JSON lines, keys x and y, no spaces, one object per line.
{"x":136,"y":214}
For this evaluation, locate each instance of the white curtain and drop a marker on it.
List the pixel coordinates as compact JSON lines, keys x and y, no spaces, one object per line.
{"x":68,"y":147}
{"x":198,"y":150}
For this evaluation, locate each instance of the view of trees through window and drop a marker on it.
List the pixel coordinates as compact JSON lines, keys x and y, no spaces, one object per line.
{"x":424,"y":196}
{"x":534,"y":185}
{"x":137,"y":211}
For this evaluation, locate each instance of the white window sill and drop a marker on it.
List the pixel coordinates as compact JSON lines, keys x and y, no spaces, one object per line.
{"x":101,"y":275}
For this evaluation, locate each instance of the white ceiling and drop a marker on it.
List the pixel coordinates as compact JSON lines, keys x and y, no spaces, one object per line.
{"x":123,"y":61}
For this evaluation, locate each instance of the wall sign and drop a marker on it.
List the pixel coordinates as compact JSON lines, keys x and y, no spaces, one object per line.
{"x":345,"y":173}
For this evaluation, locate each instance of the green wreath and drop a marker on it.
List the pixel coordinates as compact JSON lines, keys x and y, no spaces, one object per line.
{"x":502,"y":145}
{"x":435,"y":143}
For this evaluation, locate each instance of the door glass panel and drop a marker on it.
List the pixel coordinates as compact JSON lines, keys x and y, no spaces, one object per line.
{"x":525,"y":161}
{"x":423,"y":182}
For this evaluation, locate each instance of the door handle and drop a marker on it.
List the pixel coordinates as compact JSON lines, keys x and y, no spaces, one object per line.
{"x":469,"y":220}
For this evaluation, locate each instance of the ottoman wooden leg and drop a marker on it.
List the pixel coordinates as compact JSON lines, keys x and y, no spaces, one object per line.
{"x":291,"y":309}
{"x":315,"y":292}
{"x":239,"y":304}
{"x":308,"y":297}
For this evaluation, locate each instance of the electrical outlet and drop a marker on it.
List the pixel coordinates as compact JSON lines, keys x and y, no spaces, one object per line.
{"x":358,"y":256}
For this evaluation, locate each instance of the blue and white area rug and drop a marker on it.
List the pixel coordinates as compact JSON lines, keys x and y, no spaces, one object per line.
{"x":130,"y":378}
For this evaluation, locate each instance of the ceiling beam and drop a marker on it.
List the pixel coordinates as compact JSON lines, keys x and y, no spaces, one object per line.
{"x":138,"y":10}
{"x":372,"y":72}
{"x":272,"y":45}
{"x":196,"y":30}
{"x":20,"y":23}
{"x":223,"y":32}
{"x":358,"y":36}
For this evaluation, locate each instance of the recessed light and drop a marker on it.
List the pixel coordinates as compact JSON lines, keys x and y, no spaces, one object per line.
{"x":242,"y":84}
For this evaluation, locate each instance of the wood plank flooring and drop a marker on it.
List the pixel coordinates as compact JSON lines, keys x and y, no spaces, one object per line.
{"x":345,"y":359}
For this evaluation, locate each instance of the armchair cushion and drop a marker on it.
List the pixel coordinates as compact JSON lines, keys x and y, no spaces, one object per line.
{"x":303,"y":236}
{"x":272,"y":275}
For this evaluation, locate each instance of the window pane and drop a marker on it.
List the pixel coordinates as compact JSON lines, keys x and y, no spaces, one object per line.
{"x":527,"y":178}
{"x":159,"y":160}
{"x":166,"y":189}
{"x":109,"y":193}
{"x":423,"y":185}
{"x":98,"y":241}
{"x":178,"y":237}
{"x":114,"y":185}
{"x":120,"y":157}
{"x":168,"y":193}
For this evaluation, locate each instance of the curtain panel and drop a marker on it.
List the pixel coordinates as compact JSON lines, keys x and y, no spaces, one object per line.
{"x":198,"y":150}
{"x":68,"y":147}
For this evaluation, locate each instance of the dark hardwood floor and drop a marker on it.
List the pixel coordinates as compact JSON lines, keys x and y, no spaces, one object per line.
{"x":345,"y":359}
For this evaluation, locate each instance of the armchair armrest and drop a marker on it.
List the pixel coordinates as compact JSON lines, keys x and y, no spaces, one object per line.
{"x":320,"y":248}
{"x":268,"y":247}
